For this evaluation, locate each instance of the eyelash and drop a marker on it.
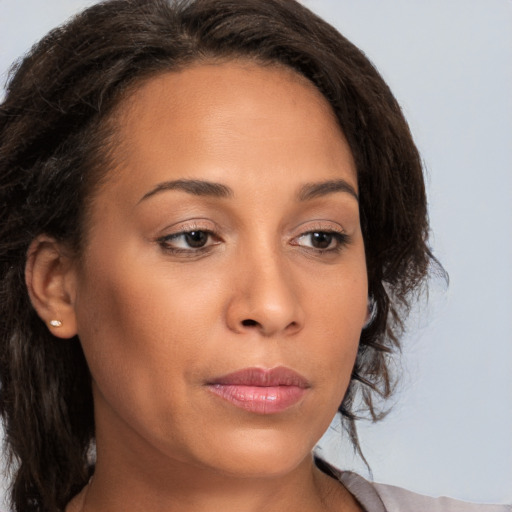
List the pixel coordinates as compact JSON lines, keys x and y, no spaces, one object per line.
{"x":340,"y":239}
{"x":165,"y":242}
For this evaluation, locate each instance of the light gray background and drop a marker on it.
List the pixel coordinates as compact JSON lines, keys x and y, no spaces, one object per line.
{"x":449,"y":62}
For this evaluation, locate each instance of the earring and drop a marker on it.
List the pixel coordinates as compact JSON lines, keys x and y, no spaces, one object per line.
{"x":55,"y":323}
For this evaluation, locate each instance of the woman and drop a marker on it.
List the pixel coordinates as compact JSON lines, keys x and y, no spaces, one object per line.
{"x":213,"y":224}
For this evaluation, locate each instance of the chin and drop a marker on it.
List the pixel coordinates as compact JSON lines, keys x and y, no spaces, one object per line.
{"x":257,"y":454}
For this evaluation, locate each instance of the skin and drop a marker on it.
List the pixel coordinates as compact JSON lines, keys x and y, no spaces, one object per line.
{"x":158,"y":319}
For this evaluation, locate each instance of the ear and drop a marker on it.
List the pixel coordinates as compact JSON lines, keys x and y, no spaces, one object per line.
{"x":51,"y":282}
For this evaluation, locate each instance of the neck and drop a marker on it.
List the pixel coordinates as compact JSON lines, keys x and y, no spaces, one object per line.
{"x":132,"y":475}
{"x":190,"y":489}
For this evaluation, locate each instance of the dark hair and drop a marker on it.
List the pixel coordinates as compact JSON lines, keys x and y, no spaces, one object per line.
{"x":55,"y":139}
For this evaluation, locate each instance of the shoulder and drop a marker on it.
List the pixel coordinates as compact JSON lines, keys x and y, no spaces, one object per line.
{"x":388,"y":498}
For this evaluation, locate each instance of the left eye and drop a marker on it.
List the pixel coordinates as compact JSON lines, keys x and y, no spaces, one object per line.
{"x":195,"y":239}
{"x":321,"y":240}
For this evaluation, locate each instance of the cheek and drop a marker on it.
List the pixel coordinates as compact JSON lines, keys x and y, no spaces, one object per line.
{"x":142,"y":325}
{"x":341,"y":311}
{"x":142,"y":338}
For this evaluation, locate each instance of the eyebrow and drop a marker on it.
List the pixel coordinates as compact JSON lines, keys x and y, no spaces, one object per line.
{"x":194,"y":187}
{"x":210,"y":189}
{"x":314,"y":190}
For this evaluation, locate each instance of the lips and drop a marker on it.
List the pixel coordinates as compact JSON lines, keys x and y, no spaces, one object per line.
{"x":261,"y":391}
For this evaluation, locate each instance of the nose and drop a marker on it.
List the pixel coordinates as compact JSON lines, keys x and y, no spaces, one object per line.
{"x":265,"y":298}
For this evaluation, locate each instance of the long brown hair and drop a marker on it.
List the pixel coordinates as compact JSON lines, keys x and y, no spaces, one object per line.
{"x":54,"y":146}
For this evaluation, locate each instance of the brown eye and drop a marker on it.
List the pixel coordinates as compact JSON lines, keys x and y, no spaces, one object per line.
{"x":196,"y":239}
{"x":321,"y":240}
{"x":190,"y":242}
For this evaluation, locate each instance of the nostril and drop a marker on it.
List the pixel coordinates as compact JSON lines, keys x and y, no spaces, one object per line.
{"x":249,"y":323}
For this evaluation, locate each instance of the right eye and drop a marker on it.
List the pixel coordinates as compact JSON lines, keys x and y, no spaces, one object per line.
{"x":192,"y":241}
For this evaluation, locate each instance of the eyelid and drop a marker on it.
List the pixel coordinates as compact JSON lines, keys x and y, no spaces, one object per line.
{"x":183,"y":228}
{"x":342,"y":238}
{"x":318,"y":225}
{"x":195,"y":224}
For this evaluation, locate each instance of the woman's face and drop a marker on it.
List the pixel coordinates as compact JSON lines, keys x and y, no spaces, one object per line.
{"x":223,"y":289}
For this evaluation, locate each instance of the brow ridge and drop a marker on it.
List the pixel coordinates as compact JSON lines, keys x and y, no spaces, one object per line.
{"x":211,"y":189}
{"x":194,"y":187}
{"x":313,"y":190}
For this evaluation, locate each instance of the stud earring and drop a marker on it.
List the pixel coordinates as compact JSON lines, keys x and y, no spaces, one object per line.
{"x":55,"y":323}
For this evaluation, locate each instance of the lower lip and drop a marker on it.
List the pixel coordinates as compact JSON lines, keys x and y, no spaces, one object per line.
{"x":260,"y":399}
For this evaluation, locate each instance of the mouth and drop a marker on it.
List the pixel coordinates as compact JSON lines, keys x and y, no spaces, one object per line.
{"x":261,"y":391}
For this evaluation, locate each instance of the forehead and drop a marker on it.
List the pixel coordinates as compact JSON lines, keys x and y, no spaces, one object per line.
{"x":248,"y":84}
{"x":215,"y":118}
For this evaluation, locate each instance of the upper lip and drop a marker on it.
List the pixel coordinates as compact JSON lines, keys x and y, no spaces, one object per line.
{"x":263,"y":377}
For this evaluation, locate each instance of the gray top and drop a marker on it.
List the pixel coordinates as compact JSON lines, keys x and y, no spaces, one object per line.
{"x":388,"y":498}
